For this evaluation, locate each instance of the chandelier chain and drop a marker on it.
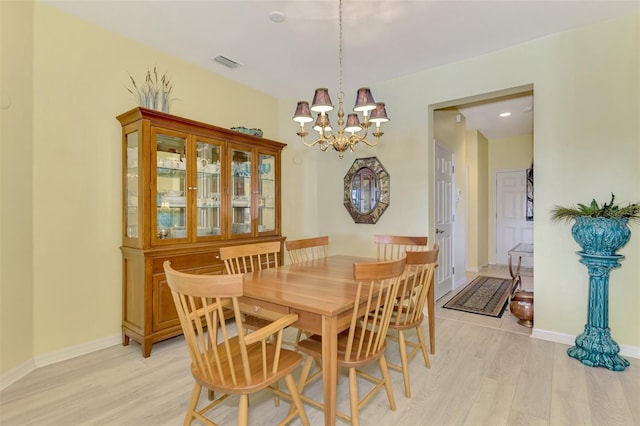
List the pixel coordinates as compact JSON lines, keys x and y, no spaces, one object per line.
{"x":340,"y":48}
{"x":343,"y":137}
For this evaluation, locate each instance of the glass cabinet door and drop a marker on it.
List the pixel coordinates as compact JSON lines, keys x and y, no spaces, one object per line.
{"x":170,"y":185}
{"x":240,"y":191}
{"x":208,"y":186}
{"x":131,"y":217}
{"x":266,"y":193}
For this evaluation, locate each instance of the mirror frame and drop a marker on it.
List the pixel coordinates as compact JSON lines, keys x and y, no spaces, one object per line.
{"x":383,"y":184}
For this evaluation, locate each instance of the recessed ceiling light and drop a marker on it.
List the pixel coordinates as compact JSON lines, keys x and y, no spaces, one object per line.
{"x":505,"y":114}
{"x":277,"y":17}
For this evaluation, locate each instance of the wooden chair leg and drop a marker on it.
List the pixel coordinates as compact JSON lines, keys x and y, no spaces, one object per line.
{"x":387,"y":382}
{"x":243,"y":410}
{"x":295,"y":395}
{"x":304,"y":375}
{"x":423,"y":346}
{"x":353,"y":396}
{"x":405,"y":363}
{"x":193,"y":402}
{"x":276,"y":397}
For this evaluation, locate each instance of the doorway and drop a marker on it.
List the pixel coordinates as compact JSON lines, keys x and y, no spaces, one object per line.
{"x":474,"y":246}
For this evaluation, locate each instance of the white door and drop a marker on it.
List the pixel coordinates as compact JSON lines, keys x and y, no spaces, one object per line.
{"x":444,"y":219}
{"x":512,"y":227}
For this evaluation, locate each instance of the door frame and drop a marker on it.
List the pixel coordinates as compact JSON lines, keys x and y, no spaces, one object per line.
{"x":431,"y":108}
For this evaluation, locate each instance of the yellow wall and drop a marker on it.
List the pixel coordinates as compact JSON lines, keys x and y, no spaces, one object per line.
{"x":67,"y":252}
{"x":584,"y":148}
{"x":478,"y":209}
{"x":16,"y":219}
{"x":504,"y":154}
{"x":79,"y":81}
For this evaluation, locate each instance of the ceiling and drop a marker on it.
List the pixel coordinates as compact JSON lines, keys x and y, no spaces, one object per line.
{"x":382,"y":40}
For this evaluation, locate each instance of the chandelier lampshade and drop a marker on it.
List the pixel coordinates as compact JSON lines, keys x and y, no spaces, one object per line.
{"x":303,"y":114}
{"x":364,"y":100}
{"x":349,"y":134}
{"x":321,"y":101}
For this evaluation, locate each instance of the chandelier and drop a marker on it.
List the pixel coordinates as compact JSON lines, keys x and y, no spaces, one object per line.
{"x":355,"y":131}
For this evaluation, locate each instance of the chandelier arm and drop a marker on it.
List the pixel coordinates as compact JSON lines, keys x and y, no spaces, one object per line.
{"x":322,"y":141}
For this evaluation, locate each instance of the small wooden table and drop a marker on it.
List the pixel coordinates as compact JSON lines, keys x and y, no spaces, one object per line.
{"x":521,"y":250}
{"x":322,"y":293}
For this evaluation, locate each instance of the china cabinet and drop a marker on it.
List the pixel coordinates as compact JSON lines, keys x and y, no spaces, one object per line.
{"x":189,"y":188}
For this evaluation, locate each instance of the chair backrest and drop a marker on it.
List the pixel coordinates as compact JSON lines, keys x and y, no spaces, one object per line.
{"x":245,"y":258}
{"x":393,"y":246}
{"x":414,"y":286}
{"x":216,"y":356}
{"x":307,"y":248}
{"x":377,"y":290}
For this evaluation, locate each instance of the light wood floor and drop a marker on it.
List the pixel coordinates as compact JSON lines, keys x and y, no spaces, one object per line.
{"x":483,"y":373}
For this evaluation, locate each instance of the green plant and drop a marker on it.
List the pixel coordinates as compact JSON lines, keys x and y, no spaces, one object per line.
{"x":608,"y":210}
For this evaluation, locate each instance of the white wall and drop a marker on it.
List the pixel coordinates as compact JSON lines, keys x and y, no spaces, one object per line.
{"x":586,"y":85}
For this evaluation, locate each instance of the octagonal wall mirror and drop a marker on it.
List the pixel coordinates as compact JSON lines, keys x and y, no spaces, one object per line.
{"x":366,"y":190}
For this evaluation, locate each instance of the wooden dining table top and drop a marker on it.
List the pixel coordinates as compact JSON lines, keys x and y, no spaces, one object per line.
{"x":323,"y":286}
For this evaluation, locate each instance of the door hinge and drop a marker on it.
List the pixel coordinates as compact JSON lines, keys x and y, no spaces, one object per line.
{"x":453,"y":270}
{"x":453,"y":169}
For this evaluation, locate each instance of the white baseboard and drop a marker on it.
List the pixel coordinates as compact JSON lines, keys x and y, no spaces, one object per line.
{"x":56,"y":356}
{"x":567,"y":339}
{"x":473,"y":269}
{"x":17,"y":373}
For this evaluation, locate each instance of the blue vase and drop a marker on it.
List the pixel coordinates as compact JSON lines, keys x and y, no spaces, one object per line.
{"x":601,"y":236}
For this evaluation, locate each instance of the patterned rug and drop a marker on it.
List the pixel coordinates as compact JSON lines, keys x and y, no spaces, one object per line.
{"x":484,"y":296}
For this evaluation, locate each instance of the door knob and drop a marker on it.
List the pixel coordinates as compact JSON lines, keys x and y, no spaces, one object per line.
{"x":439,"y":231}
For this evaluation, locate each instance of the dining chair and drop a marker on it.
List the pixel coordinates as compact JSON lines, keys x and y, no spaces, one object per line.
{"x":393,"y":246}
{"x":244,"y":258}
{"x":232,"y":365}
{"x":408,"y":312}
{"x":364,"y":342}
{"x":307,"y":248}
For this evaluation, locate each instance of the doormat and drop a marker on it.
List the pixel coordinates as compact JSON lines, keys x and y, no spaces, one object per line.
{"x":483,"y":296}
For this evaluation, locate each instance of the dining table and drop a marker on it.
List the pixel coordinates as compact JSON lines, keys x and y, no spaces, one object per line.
{"x":322,"y":293}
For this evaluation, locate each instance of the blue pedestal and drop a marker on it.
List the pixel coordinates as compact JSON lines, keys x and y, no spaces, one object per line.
{"x":595,"y":347}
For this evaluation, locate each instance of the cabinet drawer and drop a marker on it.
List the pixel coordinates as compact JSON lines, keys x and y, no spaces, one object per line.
{"x":189,"y":261}
{"x":262,"y":309}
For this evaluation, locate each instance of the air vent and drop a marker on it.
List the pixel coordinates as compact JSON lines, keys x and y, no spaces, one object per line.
{"x":227,"y":62}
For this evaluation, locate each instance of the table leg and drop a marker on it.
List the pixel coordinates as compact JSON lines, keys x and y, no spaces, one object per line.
{"x":431,"y":308}
{"x":329,"y":367}
{"x":515,"y":275}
